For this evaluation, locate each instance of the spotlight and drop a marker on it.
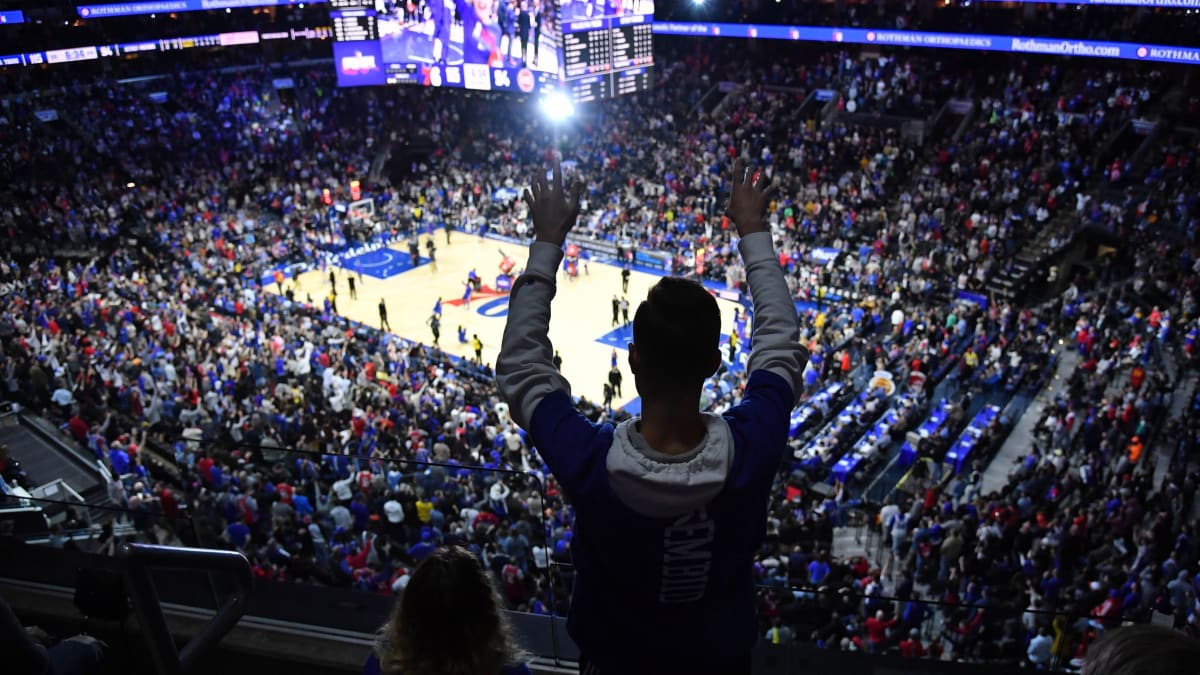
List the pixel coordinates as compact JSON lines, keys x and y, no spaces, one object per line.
{"x":557,"y":107}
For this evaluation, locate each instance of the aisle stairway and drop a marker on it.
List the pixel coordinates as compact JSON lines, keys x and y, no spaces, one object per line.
{"x":1021,"y":437}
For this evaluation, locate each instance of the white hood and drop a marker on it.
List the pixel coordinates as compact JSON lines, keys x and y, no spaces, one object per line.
{"x":658,"y":485}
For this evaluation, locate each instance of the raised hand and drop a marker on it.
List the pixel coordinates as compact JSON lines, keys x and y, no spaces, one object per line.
{"x":554,"y":210}
{"x":748,"y":199}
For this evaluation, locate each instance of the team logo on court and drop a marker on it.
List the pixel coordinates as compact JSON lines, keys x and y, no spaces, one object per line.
{"x":487,"y":302}
{"x":484,"y":293}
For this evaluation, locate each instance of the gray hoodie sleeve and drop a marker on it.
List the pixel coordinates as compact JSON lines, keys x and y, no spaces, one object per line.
{"x":525,"y":370}
{"x":775,"y":341}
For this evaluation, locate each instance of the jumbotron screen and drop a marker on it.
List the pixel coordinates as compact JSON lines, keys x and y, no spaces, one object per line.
{"x":608,"y":47}
{"x":594,"y":49}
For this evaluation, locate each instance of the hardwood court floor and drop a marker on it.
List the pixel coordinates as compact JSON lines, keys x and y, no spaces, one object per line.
{"x":581,"y":315}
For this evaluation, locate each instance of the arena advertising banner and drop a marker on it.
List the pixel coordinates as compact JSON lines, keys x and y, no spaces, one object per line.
{"x":597,"y":247}
{"x":974,"y":298}
{"x":1163,"y":4}
{"x":656,"y":261}
{"x":900,"y":38}
{"x":11,"y":17}
{"x":825,"y":254}
{"x":607,"y":250}
{"x":359,"y":63}
{"x":506,"y":194}
{"x":115,"y":9}
{"x":121,"y":49}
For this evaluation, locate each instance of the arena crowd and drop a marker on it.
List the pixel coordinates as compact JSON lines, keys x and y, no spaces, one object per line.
{"x":339,"y":454}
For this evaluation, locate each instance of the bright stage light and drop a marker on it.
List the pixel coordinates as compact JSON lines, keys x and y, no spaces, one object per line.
{"x":557,"y":107}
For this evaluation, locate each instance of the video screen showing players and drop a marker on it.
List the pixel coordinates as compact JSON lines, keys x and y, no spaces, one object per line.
{"x":477,"y":44}
{"x":577,"y":10}
{"x":496,"y":33}
{"x":593,"y":48}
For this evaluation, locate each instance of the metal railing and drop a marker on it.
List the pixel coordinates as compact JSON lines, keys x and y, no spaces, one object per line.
{"x":140,"y":559}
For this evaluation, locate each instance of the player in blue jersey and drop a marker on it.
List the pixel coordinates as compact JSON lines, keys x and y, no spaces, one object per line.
{"x":481,"y":32}
{"x":506,"y":13}
{"x":672,"y":505}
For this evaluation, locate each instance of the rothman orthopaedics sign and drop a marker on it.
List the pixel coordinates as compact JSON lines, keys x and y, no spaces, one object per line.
{"x":1001,"y":43}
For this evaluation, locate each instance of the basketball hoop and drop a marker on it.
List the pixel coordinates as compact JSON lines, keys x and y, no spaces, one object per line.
{"x":361,"y":209}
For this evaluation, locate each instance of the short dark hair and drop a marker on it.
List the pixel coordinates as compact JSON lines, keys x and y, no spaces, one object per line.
{"x":1142,"y":650}
{"x":677,"y":330}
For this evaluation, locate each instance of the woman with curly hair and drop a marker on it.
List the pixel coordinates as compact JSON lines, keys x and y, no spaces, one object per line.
{"x":449,"y":621}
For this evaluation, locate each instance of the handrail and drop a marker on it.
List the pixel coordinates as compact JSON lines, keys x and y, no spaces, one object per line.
{"x":139,"y":558}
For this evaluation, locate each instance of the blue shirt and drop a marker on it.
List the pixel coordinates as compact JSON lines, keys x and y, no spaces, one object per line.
{"x":421,"y":550}
{"x":620,"y":616}
{"x":817,"y":571}
{"x":238,"y":533}
{"x":119,"y":460}
{"x":362,"y":515}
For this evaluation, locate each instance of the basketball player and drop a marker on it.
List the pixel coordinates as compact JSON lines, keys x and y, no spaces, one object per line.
{"x":435,"y":326}
{"x":441,"y":15}
{"x":481,"y":32}
{"x":467,"y":295}
{"x":507,"y":15}
{"x":615,"y":378}
{"x":525,"y":21}
{"x":383,"y":320}
{"x":414,"y":250}
{"x":670,"y":506}
{"x":431,"y":251}
{"x":542,"y":16}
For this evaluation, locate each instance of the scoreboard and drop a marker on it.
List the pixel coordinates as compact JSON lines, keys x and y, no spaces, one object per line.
{"x":608,"y":56}
{"x":354,"y":24}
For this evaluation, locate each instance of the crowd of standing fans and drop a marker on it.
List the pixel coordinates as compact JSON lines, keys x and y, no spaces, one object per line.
{"x":338,"y":454}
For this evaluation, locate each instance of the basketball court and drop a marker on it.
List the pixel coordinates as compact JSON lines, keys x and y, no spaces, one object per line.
{"x":580,"y":329}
